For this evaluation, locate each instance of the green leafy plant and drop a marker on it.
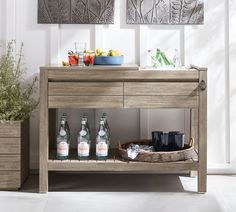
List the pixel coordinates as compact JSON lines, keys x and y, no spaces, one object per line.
{"x":16,"y":96}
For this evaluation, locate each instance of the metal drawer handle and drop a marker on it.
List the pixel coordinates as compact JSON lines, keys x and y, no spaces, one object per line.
{"x":202,"y":85}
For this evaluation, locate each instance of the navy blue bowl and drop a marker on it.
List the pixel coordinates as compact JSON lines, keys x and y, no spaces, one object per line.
{"x":108,"y":60}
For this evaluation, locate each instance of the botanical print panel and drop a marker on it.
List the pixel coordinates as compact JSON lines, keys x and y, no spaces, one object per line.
{"x":76,"y":11}
{"x":165,"y":11}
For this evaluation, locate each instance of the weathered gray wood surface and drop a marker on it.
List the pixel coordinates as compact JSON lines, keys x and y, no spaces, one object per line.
{"x":10,"y":145}
{"x":124,"y":89}
{"x":160,"y":88}
{"x":10,"y":162}
{"x":160,"y":102}
{"x":10,"y":129}
{"x":10,"y":180}
{"x":97,"y":75}
{"x":117,"y":166}
{"x":85,"y":101}
{"x":14,"y":154}
{"x":25,"y":130}
{"x":43,"y":133}
{"x":202,"y":144}
{"x":85,"y":89}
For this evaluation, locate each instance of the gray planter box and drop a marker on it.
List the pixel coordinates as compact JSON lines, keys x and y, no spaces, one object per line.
{"x":14,"y":154}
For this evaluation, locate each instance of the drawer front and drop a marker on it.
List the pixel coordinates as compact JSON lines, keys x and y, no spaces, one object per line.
{"x":10,"y":145}
{"x":160,"y":88}
{"x":9,"y":179}
{"x":85,"y":101}
{"x":10,"y":129}
{"x":9,"y":162}
{"x":160,"y":101}
{"x":85,"y":89}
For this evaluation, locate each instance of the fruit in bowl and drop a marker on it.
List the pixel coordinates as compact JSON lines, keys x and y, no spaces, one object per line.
{"x":98,"y":52}
{"x":113,"y":57}
{"x":114,"y":53}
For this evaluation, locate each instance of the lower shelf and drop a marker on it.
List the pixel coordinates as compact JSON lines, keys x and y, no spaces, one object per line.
{"x":119,"y":166}
{"x":116,"y":164}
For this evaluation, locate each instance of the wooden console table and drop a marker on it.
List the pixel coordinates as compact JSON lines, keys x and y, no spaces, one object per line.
{"x":121,"y":87}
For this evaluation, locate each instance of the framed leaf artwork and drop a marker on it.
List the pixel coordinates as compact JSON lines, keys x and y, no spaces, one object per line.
{"x":76,"y":11}
{"x":165,"y":12}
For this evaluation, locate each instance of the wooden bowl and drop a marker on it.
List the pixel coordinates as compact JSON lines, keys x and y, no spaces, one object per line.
{"x":186,"y":153}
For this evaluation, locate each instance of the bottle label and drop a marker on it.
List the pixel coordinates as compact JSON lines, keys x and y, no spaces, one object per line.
{"x":83,"y":149}
{"x":62,"y":132}
{"x":101,"y":133}
{"x":83,"y":133}
{"x":63,"y":149}
{"x":102,"y":149}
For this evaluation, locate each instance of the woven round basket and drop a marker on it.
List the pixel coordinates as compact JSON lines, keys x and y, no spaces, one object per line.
{"x":185,"y":154}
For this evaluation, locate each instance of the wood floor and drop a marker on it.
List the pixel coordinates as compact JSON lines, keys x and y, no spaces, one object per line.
{"x":120,"y":192}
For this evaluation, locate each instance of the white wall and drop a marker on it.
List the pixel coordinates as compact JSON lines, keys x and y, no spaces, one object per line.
{"x":211,"y":45}
{"x":2,"y":26}
{"x":232,"y":77}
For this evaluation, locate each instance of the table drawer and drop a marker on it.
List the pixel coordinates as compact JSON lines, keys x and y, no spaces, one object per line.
{"x":160,"y":101}
{"x":10,"y":145}
{"x":85,"y":89}
{"x":160,"y":88}
{"x":9,"y":179}
{"x":85,"y":102}
{"x":9,"y":162}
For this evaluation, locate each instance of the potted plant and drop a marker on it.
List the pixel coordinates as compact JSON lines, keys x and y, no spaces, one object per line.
{"x":16,"y":106}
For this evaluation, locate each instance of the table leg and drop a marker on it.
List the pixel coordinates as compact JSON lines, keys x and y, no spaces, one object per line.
{"x":202,"y":147}
{"x":194,"y":133}
{"x":43,"y":133}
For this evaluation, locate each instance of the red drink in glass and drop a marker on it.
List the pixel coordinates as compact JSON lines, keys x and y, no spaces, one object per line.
{"x":87,"y":59}
{"x":73,"y":60}
{"x":91,"y":59}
